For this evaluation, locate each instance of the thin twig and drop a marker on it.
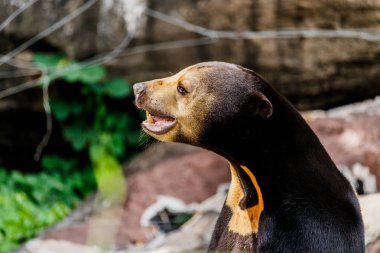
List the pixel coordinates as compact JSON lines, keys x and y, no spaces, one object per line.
{"x":21,"y":64}
{"x":267,"y":34}
{"x":19,"y":88}
{"x":181,"y":23}
{"x":208,"y":36}
{"x":99,"y":59}
{"x":49,"y":121}
{"x":103,"y":58}
{"x":168,"y":45}
{"x":47,"y":31}
{"x":16,"y":13}
{"x":17,"y":73}
{"x":46,"y":81}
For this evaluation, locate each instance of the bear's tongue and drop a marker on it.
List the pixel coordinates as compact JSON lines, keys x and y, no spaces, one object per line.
{"x":158,"y":124}
{"x":159,"y":119}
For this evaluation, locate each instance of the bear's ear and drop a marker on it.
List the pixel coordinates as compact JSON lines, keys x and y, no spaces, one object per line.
{"x":260,"y":105}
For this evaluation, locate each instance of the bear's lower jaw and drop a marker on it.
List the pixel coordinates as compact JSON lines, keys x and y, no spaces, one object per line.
{"x":158,"y":124}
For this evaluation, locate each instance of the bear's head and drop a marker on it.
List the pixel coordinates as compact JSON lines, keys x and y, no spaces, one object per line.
{"x":200,"y":99}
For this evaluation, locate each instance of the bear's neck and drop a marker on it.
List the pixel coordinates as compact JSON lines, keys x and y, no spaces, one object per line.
{"x":279,"y":152}
{"x":244,"y":200}
{"x":275,"y":166}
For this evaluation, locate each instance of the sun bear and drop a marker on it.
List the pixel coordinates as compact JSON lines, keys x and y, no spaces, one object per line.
{"x":286,"y":194}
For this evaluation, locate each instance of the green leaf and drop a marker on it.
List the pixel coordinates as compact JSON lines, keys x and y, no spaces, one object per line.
{"x":115,"y":122}
{"x":97,"y":88}
{"x":108,"y":173}
{"x":122,"y":123}
{"x":47,"y":60}
{"x":7,"y":246}
{"x":87,"y":75}
{"x":116,"y":145}
{"x":54,"y":163}
{"x":93,"y":74}
{"x":73,"y":75}
{"x":50,"y":162}
{"x":110,"y":121}
{"x":117,"y":88}
{"x":95,"y":151}
{"x":34,"y":201}
{"x":78,"y":136}
{"x":76,"y":108}
{"x":60,"y":109}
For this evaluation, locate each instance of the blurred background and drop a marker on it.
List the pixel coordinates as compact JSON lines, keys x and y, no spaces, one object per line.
{"x":75,"y":169}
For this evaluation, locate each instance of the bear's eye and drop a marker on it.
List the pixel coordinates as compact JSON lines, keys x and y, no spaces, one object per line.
{"x":181,"y":90}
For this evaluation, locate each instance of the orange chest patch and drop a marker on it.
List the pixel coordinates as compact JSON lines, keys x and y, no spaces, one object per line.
{"x":244,"y":221}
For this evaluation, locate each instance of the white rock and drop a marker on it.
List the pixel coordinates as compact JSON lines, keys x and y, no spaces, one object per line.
{"x":370,"y":206}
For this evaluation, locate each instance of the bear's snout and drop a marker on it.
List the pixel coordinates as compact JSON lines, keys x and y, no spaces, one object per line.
{"x":139,"y":89}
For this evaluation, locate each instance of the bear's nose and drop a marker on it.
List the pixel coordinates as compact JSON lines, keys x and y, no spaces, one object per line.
{"x":139,"y":89}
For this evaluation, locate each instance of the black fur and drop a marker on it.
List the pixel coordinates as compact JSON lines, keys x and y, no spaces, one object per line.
{"x":308,"y":205}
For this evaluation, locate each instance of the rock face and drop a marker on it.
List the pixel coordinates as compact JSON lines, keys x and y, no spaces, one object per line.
{"x":99,"y":28}
{"x":305,"y":70}
{"x":370,"y":206}
{"x":351,"y":134}
{"x":313,"y":73}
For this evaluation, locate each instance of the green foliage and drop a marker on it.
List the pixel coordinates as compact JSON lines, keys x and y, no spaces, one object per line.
{"x":48,"y":60}
{"x":55,"y":163}
{"x":93,"y":125}
{"x":108,"y":173}
{"x":90,"y":120}
{"x":116,"y":88}
{"x":86,"y":75}
{"x":31,"y":202}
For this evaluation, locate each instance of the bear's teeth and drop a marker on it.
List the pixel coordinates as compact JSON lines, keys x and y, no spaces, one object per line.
{"x":149,"y":118}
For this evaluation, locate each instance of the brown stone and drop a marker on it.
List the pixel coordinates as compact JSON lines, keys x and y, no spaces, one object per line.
{"x":352,"y":136}
{"x":191,"y":177}
{"x":312,"y":72}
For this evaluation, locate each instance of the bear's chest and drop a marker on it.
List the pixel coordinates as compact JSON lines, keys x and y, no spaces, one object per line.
{"x":225,"y":240}
{"x":238,"y":222}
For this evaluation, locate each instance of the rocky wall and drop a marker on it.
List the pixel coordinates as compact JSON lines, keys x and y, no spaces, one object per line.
{"x":313,"y":73}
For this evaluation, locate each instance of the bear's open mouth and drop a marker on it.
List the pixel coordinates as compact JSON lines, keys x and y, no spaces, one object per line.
{"x":158,"y":124}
